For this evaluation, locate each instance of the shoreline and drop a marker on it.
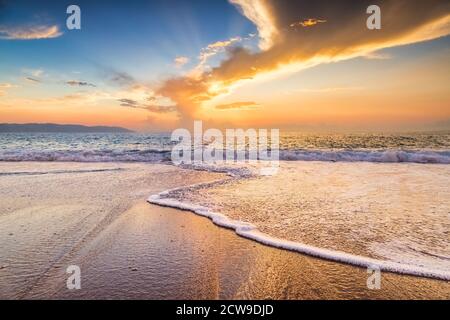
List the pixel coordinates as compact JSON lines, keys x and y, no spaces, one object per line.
{"x":250,"y":232}
{"x":222,"y":218}
{"x":203,"y":261}
{"x":141,"y":251}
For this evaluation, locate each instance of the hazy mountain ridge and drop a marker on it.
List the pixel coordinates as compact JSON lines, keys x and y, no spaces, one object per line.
{"x":63,"y":128}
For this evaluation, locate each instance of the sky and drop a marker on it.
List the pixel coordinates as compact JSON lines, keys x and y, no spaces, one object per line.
{"x":160,"y":65}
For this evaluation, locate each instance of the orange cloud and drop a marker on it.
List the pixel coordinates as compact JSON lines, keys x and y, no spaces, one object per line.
{"x":307,"y":23}
{"x":286,"y":49}
{"x":29,"y":32}
{"x":237,"y":105}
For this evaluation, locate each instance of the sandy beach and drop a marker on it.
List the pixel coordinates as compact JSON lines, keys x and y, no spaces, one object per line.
{"x":53,"y":215}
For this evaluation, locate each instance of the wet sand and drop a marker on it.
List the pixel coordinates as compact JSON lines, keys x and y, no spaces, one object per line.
{"x":53,"y":215}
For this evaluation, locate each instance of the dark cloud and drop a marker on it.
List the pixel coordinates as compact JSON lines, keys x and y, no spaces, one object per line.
{"x":33,"y":79}
{"x":161,"y":109}
{"x":75,"y":83}
{"x":120,"y":78}
{"x":129,"y":103}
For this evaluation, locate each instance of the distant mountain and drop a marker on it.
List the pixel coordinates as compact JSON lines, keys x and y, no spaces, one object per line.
{"x":50,"y":127}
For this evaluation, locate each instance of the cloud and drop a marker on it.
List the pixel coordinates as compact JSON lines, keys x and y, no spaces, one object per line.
{"x":160,"y":109}
{"x":307,"y":23}
{"x":331,"y":89}
{"x":343,"y":36}
{"x":180,"y":61}
{"x":4,"y":87}
{"x":378,"y":56}
{"x":75,"y":83}
{"x":260,"y":14}
{"x":30,"y":79}
{"x":210,"y":51}
{"x":34,"y":72}
{"x":29,"y":32}
{"x":119,"y":78}
{"x":122,"y":78}
{"x":130,"y":103}
{"x":81,"y":98}
{"x":33,"y":75}
{"x":238,"y":105}
{"x":84,"y":97}
{"x":285,"y":49}
{"x":187,"y":93}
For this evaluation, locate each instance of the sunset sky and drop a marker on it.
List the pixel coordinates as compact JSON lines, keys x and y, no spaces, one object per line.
{"x":158,"y":65}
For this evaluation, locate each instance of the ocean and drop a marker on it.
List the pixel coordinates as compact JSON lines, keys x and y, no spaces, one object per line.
{"x":371,"y":200}
{"x":109,"y":147}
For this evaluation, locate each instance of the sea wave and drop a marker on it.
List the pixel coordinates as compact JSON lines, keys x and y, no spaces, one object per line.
{"x":150,"y":155}
{"x":153,"y":155}
{"x":388,"y":156}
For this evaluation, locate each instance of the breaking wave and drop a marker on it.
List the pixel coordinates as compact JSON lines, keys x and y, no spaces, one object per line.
{"x":87,"y":156}
{"x":152,"y":155}
{"x":389,"y":156}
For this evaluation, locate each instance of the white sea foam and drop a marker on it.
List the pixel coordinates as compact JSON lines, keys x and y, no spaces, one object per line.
{"x":238,"y":170}
{"x":250,"y":231}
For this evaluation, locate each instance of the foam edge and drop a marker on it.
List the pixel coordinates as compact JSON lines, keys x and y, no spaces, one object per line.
{"x":250,"y":231}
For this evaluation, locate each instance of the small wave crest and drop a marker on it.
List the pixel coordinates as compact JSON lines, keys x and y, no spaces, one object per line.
{"x":87,"y":156}
{"x":387,"y":156}
{"x":152,"y":155}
